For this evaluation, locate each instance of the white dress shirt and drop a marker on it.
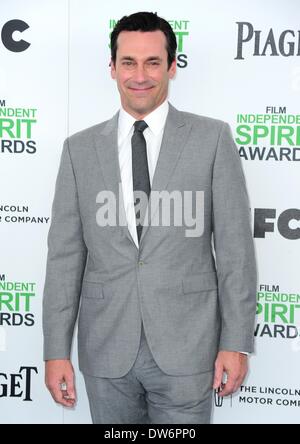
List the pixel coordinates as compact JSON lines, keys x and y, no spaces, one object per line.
{"x":153,"y":134}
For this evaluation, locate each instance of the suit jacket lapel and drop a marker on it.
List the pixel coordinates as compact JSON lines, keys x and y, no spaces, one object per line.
{"x":173,"y":142}
{"x":106,"y":143}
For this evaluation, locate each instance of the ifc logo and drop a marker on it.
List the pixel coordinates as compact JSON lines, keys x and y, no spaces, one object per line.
{"x":8,"y":39}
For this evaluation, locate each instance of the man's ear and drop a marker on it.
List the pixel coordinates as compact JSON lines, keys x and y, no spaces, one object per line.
{"x":172,"y":69}
{"x":112,"y":69}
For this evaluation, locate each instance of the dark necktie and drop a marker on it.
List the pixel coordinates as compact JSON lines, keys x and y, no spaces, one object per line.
{"x":140,"y":172}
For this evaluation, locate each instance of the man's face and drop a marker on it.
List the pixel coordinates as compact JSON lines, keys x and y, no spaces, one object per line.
{"x":141,"y":71}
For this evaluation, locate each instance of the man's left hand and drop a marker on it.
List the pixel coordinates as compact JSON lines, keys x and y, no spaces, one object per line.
{"x":235,"y":365}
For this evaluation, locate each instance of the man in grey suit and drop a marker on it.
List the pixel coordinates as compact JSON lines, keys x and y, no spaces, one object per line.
{"x":164,"y":311}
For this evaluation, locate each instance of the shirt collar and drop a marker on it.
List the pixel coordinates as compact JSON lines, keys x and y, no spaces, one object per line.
{"x":155,"y":120}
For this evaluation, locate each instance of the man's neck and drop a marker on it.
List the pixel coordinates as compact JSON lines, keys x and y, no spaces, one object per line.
{"x":141,"y":116}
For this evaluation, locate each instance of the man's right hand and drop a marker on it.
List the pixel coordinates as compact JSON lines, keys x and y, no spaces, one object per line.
{"x":59,"y":379}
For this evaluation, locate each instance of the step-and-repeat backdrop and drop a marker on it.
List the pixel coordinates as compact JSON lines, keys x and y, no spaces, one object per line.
{"x":237,"y":61}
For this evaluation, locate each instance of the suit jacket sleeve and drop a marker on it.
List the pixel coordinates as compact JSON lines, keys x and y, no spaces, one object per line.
{"x":234,"y":247}
{"x":65,"y":264}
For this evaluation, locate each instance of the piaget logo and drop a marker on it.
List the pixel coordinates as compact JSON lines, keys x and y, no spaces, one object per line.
{"x":266,"y":42}
{"x":272,"y":136}
{"x":16,"y":303}
{"x":17,"y":129}
{"x":181,"y":30}
{"x":278,"y":313}
{"x":18,"y":385}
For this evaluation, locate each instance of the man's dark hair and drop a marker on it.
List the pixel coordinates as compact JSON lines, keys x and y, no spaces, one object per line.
{"x":144,"y":21}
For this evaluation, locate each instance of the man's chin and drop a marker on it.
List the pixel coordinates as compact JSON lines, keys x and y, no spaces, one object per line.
{"x":142,"y":108}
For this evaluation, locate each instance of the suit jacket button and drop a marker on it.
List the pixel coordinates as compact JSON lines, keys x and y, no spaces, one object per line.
{"x":141,"y":263}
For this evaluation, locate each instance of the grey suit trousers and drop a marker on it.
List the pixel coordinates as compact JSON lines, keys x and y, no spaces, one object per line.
{"x":147,"y":395}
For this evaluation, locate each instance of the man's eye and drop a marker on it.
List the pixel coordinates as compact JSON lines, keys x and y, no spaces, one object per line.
{"x":127,"y":63}
{"x":154,"y":63}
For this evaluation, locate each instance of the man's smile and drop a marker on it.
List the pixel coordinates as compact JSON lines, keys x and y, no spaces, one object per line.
{"x":140,"y":89}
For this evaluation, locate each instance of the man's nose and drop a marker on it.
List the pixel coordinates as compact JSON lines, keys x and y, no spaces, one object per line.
{"x":140,"y":74}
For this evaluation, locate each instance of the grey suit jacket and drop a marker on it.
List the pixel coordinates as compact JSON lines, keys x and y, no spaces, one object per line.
{"x":195,"y":295}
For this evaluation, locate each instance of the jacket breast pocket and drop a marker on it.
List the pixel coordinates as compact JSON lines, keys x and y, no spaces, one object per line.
{"x":92,"y":290}
{"x":200,"y":282}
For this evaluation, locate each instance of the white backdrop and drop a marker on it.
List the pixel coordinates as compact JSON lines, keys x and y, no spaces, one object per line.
{"x":62,"y":84}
